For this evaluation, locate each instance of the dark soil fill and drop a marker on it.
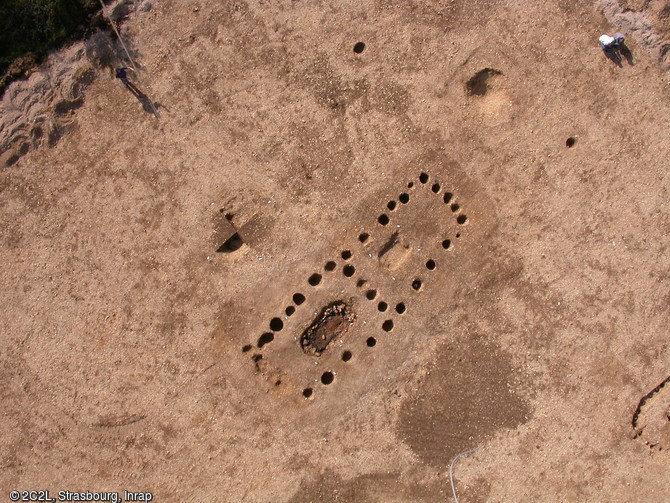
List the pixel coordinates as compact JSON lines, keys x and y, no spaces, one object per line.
{"x":478,"y":83}
{"x":332,"y":323}
{"x":482,"y":381}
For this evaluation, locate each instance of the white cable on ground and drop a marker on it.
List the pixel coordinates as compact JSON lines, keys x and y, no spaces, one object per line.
{"x":451,"y":470}
{"x":111,"y":22}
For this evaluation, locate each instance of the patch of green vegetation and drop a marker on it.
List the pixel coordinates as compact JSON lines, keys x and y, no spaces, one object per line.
{"x":29,"y":28}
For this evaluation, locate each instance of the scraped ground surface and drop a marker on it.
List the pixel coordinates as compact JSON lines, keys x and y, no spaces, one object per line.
{"x":483,"y":200}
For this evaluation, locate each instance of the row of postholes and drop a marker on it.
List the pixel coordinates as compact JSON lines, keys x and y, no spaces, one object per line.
{"x":276,"y":324}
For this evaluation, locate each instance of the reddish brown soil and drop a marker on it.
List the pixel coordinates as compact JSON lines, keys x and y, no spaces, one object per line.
{"x":505,"y":253}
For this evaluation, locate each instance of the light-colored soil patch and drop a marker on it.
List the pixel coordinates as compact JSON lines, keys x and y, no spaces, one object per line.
{"x":502,"y":255}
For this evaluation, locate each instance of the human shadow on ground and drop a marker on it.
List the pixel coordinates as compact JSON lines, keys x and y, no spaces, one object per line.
{"x":614,"y":54}
{"x":148,"y":105}
{"x":625,"y":52}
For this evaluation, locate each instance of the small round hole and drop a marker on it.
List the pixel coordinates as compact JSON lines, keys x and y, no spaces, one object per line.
{"x":307,"y":392}
{"x":387,"y":325}
{"x":349,"y":270}
{"x":346,"y":356}
{"x":461,"y":219}
{"x":416,"y":284}
{"x":327,"y":378}
{"x":361,"y":283}
{"x":290,"y":310}
{"x":371,"y":294}
{"x":330,"y":266}
{"x":246,"y":348}
{"x":447,"y":197}
{"x":391,"y":205}
{"x":359,"y":47}
{"x":382,"y":306}
{"x":455,"y":207}
{"x":314,"y":279}
{"x":570,"y":142}
{"x":400,"y":308}
{"x":278,"y":382}
{"x":410,"y":185}
{"x":371,"y":342}
{"x":276,"y":324}
{"x":430,"y":265}
{"x":383,"y":219}
{"x":435,"y":188}
{"x":446,"y":244}
{"x":458,"y":234}
{"x":423,"y":177}
{"x":264,"y":339}
{"x":404,"y":198}
{"x":298,"y":298}
{"x":346,"y":255}
{"x":363,"y":237}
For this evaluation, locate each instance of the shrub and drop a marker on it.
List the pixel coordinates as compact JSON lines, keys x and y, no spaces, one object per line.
{"x":29,"y":28}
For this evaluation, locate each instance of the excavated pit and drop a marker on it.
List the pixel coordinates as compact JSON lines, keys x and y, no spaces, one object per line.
{"x":331,"y":324}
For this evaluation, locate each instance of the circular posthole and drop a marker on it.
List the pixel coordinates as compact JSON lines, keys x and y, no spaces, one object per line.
{"x":346,"y":356}
{"x":359,"y":47}
{"x":570,"y":142}
{"x":461,"y":219}
{"x":400,"y":308}
{"x":308,"y":392}
{"x":327,"y":378}
{"x":330,"y":266}
{"x":410,"y":185}
{"x":417,"y":284}
{"x":430,"y":265}
{"x":446,"y":244}
{"x":314,"y":279}
{"x":246,"y":348}
{"x":348,"y":270}
{"x":423,"y":177}
{"x":371,"y":294}
{"x":387,"y":325}
{"x":391,"y":205}
{"x":435,"y":188}
{"x":371,"y":342}
{"x":363,"y":237}
{"x":298,"y":298}
{"x":455,"y":207}
{"x":264,"y":339}
{"x":404,"y":198}
{"x":290,"y":310}
{"x":382,"y":306}
{"x":383,"y":219}
{"x":447,"y":197}
{"x":346,"y":255}
{"x":276,"y":324}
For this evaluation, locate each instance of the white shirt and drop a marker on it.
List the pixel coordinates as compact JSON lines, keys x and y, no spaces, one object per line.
{"x":605,"y":41}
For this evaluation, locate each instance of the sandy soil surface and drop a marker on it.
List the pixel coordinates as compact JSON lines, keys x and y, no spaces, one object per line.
{"x":321,"y":273}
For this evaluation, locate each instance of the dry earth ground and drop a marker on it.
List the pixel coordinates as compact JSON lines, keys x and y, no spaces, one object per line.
{"x":130,"y":351}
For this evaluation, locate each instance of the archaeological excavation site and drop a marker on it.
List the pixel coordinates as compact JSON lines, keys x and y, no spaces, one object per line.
{"x":331,"y":251}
